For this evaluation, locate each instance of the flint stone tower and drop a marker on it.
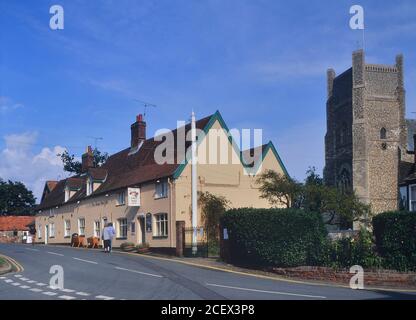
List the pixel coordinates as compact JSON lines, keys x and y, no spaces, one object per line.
{"x":366,"y":138}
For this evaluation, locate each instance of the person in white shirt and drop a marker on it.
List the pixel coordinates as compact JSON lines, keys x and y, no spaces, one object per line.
{"x":108,"y":235}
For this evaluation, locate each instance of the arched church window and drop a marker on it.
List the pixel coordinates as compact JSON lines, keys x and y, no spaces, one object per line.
{"x":383,"y":133}
{"x":344,"y":181}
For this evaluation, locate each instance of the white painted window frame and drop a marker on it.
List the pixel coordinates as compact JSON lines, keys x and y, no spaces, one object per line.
{"x":67,"y":231}
{"x":409,"y":190}
{"x":79,"y":227}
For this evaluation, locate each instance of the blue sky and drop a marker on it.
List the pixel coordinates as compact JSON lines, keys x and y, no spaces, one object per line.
{"x":261,"y":63}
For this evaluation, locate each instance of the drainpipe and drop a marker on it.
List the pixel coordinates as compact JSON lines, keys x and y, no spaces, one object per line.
{"x":194,"y":186}
{"x":171,"y":211}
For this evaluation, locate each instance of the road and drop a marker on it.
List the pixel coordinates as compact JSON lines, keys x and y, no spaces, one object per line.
{"x":92,"y":274}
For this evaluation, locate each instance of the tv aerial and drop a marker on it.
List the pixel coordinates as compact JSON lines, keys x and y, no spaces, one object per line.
{"x":145,"y":105}
{"x":96,"y":139}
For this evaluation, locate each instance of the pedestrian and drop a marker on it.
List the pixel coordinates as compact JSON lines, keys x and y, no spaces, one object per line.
{"x":108,"y":235}
{"x":32,"y":235}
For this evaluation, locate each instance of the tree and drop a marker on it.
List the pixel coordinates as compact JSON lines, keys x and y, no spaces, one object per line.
{"x":337,"y":207}
{"x":16,"y":199}
{"x":74,"y":166}
{"x":279,"y":189}
{"x":212,"y":209}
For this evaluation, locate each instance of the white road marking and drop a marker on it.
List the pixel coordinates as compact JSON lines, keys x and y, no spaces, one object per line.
{"x":140,"y":272}
{"x":104,"y":297}
{"x":41,"y":284}
{"x":24,"y":279}
{"x":267,"y":291}
{"x":67,"y":290}
{"x":31,"y":281}
{"x":8,"y":280}
{"x":88,"y":261}
{"x":80,"y":293}
{"x":36,"y":290}
{"x":56,"y":254}
{"x":16,"y":284}
{"x":25,"y":287}
{"x":18,"y":275}
{"x":31,"y":249}
{"x":2,"y":278}
{"x":54,"y":288}
{"x":67,"y":297}
{"x":49,"y":293}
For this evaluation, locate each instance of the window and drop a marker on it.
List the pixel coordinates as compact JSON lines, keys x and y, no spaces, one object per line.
{"x":122,"y":228}
{"x":133,"y":227}
{"x":81,"y":226}
{"x":383,"y":133}
{"x":121,"y":198}
{"x":66,"y":194}
{"x":97,"y":229}
{"x":403,"y":204}
{"x":52,"y":230}
{"x":161,"y":225}
{"x":412,"y":196}
{"x":89,"y":187}
{"x":40,"y":231}
{"x":67,"y":227}
{"x":161,"y":189}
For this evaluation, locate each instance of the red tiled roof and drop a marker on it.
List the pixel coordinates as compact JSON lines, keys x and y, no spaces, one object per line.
{"x":121,"y":170}
{"x":11,"y":223}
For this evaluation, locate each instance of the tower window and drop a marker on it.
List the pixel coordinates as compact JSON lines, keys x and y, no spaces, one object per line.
{"x":383,"y":133}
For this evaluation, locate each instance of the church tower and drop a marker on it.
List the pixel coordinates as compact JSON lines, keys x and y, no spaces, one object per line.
{"x":366,"y":135}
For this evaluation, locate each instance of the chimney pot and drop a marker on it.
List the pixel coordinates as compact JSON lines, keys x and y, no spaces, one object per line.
{"x":138,"y":132}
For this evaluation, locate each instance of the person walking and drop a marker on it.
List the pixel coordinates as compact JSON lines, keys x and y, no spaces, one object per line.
{"x":108,"y":235}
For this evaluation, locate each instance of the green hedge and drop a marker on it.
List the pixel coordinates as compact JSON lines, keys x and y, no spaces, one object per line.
{"x":395,"y":234}
{"x":277,"y":237}
{"x":357,"y":250}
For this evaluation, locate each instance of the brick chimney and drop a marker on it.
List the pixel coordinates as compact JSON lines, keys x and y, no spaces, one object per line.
{"x":87,"y":159}
{"x":138,"y":132}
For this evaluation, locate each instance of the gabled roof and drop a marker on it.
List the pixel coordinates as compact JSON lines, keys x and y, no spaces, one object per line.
{"x":11,"y":223}
{"x":269,"y":146}
{"x":262,"y":150}
{"x":119,"y":171}
{"x":125,"y":169}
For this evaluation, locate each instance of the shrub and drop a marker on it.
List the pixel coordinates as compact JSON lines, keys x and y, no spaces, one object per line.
{"x":278,"y":237}
{"x":127,"y":246}
{"x":357,"y":250}
{"x":395,"y":234}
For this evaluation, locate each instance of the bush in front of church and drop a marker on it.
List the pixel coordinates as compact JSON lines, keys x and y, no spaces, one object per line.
{"x":275,"y":237}
{"x":357,"y":250}
{"x":395,"y":234}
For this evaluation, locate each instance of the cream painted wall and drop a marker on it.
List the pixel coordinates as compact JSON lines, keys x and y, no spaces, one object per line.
{"x":227,"y":180}
{"x":97,"y":208}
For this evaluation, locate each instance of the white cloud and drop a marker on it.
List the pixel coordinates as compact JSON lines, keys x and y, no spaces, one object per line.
{"x":7,"y":104}
{"x":18,"y":162}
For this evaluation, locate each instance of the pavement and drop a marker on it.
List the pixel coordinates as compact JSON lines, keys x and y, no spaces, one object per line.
{"x":95,"y":275}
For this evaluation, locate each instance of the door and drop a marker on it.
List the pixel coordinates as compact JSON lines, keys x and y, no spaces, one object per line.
{"x":142,"y":228}
{"x":46,"y":234}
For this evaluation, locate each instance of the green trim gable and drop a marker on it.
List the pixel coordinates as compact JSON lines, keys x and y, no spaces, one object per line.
{"x":270,"y":146}
{"x":217,"y":116}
